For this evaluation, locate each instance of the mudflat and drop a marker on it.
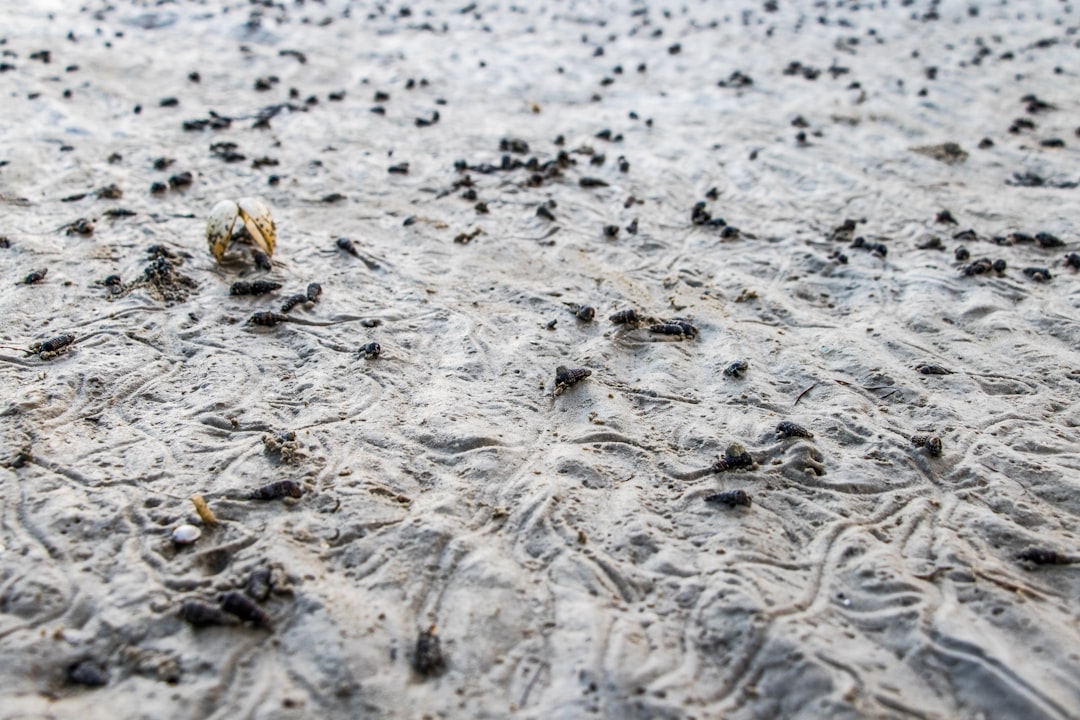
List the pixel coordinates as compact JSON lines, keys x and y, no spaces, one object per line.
{"x":632,"y":360}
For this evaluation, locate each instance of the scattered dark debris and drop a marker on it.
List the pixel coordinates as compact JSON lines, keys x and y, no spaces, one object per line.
{"x":109,"y":192}
{"x":844,"y":232}
{"x":427,"y":658}
{"x":585,"y":313}
{"x":986,"y":143}
{"x":731,"y":498}
{"x":35,"y":277}
{"x":1046,"y":240}
{"x":227,"y":152}
{"x":737,"y":79}
{"x":566,"y":377}
{"x":300,"y":57}
{"x":268,"y":113}
{"x":399,"y":169}
{"x":1034,"y":105}
{"x":161,"y":277}
{"x":82,"y":226}
{"x":797,"y":68}
{"x":1016,"y":238}
{"x":930,"y":369}
{"x":257,"y":287}
{"x":632,"y":228}
{"x":514,"y":145}
{"x":370,"y":351}
{"x":312,"y":295}
{"x":1020,"y":124}
{"x":625,"y":317}
{"x":678,"y":328}
{"x":734,"y":458}
{"x":118,"y":212}
{"x":292,"y":301}
{"x":243,"y":607}
{"x":281,"y":488}
{"x":1030,"y":179}
{"x":544,"y":211}
{"x":700,"y":216}
{"x":54,"y":347}
{"x":19,"y":458}
{"x":1052,"y":143}
{"x":214,"y":122}
{"x":464,"y":238}
{"x":202,"y":614}
{"x":931,"y":243}
{"x":89,"y":673}
{"x":427,"y":122}
{"x":1044,"y":556}
{"x":961,"y":254}
{"x":590,"y":182}
{"x":788,"y":429}
{"x":267,"y":318}
{"x":181,"y":180}
{"x":946,"y":217}
{"x":259,"y":584}
{"x":949,"y":153}
{"x":736,"y":369}
{"x":262,"y":260}
{"x":930,"y":443}
{"x":611,"y":231}
{"x":332,"y":198}
{"x":877,"y":248}
{"x":983,"y":266}
{"x":347,"y":245}
{"x":1038,"y":274}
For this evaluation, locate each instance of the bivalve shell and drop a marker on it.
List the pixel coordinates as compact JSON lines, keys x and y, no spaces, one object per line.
{"x":186,"y":534}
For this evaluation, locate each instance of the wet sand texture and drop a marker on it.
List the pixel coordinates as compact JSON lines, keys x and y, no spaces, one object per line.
{"x":424,"y":528}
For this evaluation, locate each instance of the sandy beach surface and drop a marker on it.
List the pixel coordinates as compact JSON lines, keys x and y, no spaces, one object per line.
{"x":859,"y":218}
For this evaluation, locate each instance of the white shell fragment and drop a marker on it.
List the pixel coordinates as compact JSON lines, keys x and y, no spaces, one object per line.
{"x":186,"y":534}
{"x":253,"y":212}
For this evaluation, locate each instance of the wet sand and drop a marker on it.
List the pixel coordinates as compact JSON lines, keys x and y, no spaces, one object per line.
{"x":544,"y":157}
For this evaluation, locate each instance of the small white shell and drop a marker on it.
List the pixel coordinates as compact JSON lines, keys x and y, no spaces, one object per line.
{"x":186,"y":534}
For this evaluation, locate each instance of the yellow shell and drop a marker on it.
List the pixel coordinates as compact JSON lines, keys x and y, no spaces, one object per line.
{"x":253,"y":212}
